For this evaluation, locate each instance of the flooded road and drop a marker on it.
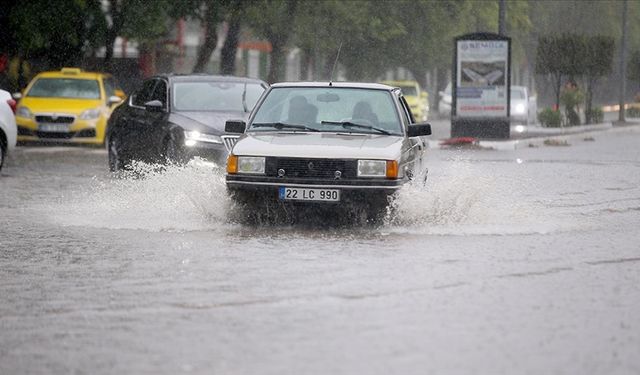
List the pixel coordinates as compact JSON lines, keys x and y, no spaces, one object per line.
{"x":524,"y":261}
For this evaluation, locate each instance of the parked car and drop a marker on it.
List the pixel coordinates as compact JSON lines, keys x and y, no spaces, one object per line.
{"x":316,"y":143}
{"x":417,"y":98}
{"x":67,"y":106}
{"x":523,"y":106}
{"x":444,"y":104}
{"x":8,"y":130}
{"x":176,"y":117}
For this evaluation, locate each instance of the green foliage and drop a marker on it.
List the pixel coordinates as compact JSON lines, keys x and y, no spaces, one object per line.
{"x":596,"y":115}
{"x":550,"y":118}
{"x":633,"y":112}
{"x":58,"y":40}
{"x":571,"y":98}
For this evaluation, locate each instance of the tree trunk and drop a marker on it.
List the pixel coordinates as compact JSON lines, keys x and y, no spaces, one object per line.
{"x":210,"y":39}
{"x":228,"y":53}
{"x":278,"y":60}
{"x":556,"y":88}
{"x":117,"y":20}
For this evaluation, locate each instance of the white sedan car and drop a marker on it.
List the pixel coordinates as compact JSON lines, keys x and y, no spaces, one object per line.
{"x":523,"y":106}
{"x":8,"y":130}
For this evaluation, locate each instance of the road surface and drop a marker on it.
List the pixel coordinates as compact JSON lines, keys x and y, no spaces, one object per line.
{"x":508,"y":262}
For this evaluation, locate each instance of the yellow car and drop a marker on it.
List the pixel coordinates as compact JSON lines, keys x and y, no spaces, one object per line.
{"x":417,"y":99}
{"x":67,"y":106}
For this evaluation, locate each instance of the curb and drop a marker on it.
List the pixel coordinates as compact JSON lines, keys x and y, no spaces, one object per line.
{"x":574,"y":134}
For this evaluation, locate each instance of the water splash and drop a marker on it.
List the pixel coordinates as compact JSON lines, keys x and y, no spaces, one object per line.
{"x":467,"y":198}
{"x":151,"y":197}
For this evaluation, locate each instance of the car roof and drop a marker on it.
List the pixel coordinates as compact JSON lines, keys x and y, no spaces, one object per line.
{"x":208,"y":77}
{"x":73,"y":73}
{"x":355,"y":85}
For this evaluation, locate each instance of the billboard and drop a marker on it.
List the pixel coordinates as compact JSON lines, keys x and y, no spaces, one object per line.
{"x":482,"y":78}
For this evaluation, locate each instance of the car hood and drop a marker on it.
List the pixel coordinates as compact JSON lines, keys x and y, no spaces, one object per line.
{"x":57,"y":105}
{"x":320,"y":145}
{"x":207,"y":122}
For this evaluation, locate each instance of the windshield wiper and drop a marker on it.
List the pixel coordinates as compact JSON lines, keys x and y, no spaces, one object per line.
{"x":282,"y":125}
{"x":349,"y":124}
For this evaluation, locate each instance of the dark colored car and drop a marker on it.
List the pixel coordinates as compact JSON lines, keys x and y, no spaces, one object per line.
{"x":176,"y":117}
{"x":318,"y":144}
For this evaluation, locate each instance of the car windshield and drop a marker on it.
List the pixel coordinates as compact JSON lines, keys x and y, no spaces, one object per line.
{"x":330,"y":109}
{"x":71,"y":88}
{"x":216,"y":96}
{"x":409,"y":90}
{"x":517,"y":93}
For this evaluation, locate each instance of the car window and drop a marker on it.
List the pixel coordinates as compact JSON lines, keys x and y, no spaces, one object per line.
{"x":70,"y":88}
{"x":517,"y":93}
{"x":311,"y":106}
{"x":109,"y":87}
{"x":144,"y":94}
{"x":160,"y":92}
{"x":216,"y":96}
{"x":408,"y":116}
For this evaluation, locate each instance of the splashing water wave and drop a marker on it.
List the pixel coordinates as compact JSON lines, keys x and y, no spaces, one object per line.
{"x":461,"y":200}
{"x":152,"y":197}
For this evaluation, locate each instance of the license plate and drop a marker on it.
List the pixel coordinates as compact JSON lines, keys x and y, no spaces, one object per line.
{"x":54,"y":128}
{"x":305,"y":194}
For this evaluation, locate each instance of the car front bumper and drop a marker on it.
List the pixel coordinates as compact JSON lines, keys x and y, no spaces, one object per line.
{"x":80,"y":131}
{"x":354,"y":192}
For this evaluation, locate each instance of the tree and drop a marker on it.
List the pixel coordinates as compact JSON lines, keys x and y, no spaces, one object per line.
{"x":596,"y":62}
{"x":141,"y":20}
{"x":235,"y":11}
{"x":210,"y":20}
{"x":274,"y":20}
{"x":550,"y":64}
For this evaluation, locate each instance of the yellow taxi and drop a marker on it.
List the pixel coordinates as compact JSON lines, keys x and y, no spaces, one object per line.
{"x":67,"y":106}
{"x":417,"y":98}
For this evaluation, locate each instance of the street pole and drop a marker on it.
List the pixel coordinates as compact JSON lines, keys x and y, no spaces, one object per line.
{"x":502,"y":12}
{"x":623,"y":63}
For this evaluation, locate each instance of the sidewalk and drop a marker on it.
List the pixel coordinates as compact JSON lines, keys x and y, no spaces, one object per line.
{"x":535,"y":136}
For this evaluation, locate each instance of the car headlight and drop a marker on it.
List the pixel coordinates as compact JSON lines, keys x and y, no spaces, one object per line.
{"x":251,"y":164}
{"x":191,"y":137}
{"x":90,"y":114}
{"x":23,"y":112}
{"x":378,"y":168}
{"x":519,"y":108}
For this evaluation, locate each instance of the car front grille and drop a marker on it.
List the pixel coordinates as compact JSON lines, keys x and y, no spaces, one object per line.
{"x":47,"y":135}
{"x":229,"y":141}
{"x":311,"y":168}
{"x":52,"y":119}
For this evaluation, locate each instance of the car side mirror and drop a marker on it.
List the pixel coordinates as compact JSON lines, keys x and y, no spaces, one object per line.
{"x":424,"y":94}
{"x":419,"y":129}
{"x":114,"y":100}
{"x":17,"y":95}
{"x":235,"y":126}
{"x":154,"y":106}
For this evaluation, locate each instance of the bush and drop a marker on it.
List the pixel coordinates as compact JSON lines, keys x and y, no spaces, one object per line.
{"x":633,"y":112}
{"x":595,"y":115}
{"x":571,"y":98}
{"x":550,"y":118}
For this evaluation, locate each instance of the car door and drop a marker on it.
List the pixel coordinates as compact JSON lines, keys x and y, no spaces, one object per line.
{"x":154,"y":124}
{"x":130,"y":125}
